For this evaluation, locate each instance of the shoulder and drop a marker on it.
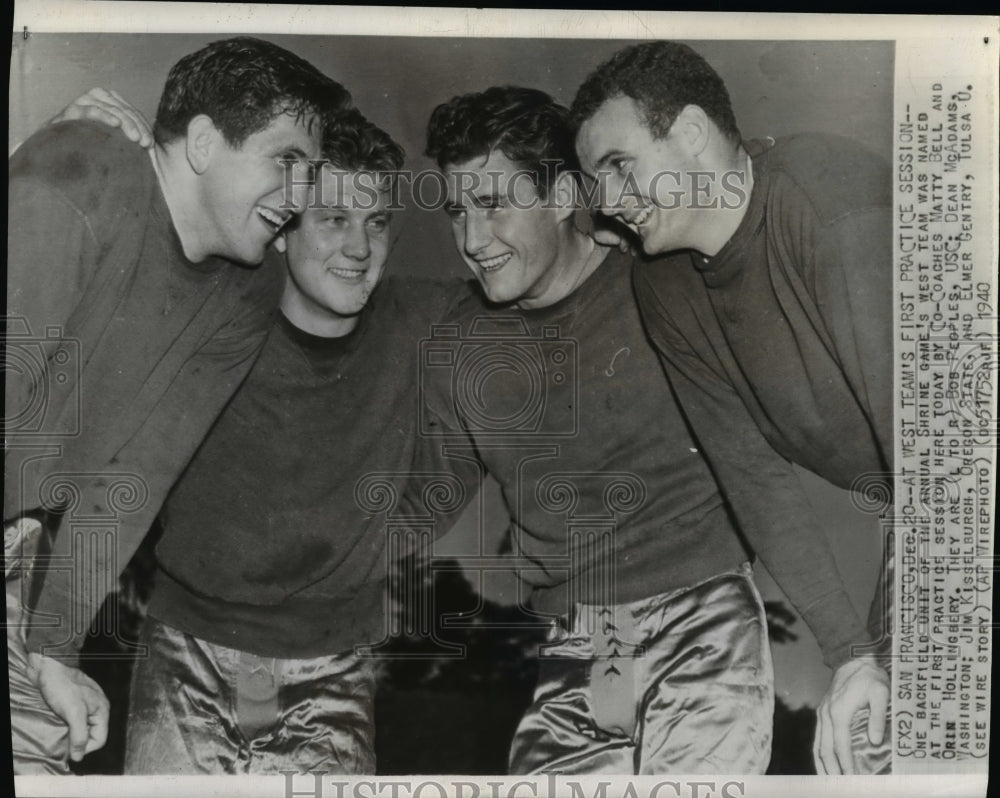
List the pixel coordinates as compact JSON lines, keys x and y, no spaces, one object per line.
{"x":832,"y":175}
{"x":666,"y":280}
{"x":74,"y":153}
{"x":94,"y":167}
{"x":264,"y":283}
{"x":421,"y":299}
{"x":672,"y":298}
{"x":434,"y":300}
{"x":468,"y":302}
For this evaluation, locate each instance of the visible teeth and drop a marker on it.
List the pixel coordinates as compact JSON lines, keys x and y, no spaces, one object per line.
{"x":641,"y":217}
{"x":270,"y":216}
{"x":347,"y":274}
{"x":492,"y":264}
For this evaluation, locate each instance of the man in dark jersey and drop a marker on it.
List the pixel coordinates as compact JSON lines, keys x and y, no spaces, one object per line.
{"x":268,"y":569}
{"x":773,"y":319}
{"x":133,"y":316}
{"x":270,"y":573}
{"x":659,"y":659}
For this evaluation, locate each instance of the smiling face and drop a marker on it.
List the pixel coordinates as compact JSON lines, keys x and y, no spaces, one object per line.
{"x":506,"y":234}
{"x":336,"y":255}
{"x":645,"y":182}
{"x":244,"y":202}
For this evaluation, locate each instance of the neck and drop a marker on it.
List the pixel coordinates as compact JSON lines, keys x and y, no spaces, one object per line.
{"x":579,"y":257}
{"x":312,"y":318}
{"x":730,"y":201}
{"x":179,"y":191}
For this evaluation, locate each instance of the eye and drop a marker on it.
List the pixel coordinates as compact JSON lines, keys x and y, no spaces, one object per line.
{"x":302,"y":170}
{"x":335,"y":219}
{"x":456,"y":214}
{"x":379,"y":224}
{"x":490,"y":203}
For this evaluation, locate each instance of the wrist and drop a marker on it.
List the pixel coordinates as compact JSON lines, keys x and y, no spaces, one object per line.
{"x":36,"y":662}
{"x":865,"y":662}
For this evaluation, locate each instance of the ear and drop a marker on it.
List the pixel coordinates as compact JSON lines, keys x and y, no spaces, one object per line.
{"x":202,"y":139}
{"x":693,"y":129}
{"x":564,"y":195}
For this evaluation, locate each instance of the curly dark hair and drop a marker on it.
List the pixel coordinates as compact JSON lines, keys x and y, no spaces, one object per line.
{"x":526,"y":125}
{"x":352,"y":143}
{"x":662,"y":77}
{"x":243,"y":84}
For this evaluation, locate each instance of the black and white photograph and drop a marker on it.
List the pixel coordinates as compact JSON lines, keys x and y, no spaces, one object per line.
{"x":483,"y":403}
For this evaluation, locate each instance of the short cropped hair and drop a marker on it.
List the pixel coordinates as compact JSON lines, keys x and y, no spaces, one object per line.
{"x":662,"y":77}
{"x":526,"y":125}
{"x":353,"y":144}
{"x":242,"y":85}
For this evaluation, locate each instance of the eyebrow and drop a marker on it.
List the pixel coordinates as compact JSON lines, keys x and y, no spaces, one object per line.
{"x":344,"y":207}
{"x":480,"y":199}
{"x":297,"y":151}
{"x":603,"y":160}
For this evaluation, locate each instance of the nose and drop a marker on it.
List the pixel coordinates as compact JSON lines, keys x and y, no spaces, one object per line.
{"x":612,"y":201}
{"x":477,"y":234}
{"x":356,"y":244}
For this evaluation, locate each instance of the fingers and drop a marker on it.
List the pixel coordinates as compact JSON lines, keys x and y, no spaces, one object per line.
{"x":817,"y":739}
{"x":842,"y":749}
{"x":865,"y":689}
{"x":86,"y":714}
{"x":611,"y":238}
{"x":77,"y":699}
{"x":97,"y":721}
{"x":93,"y":113}
{"x":95,"y":99}
{"x":109,"y":108}
{"x":73,"y":710}
{"x":134,"y":124}
{"x":100,"y":94}
{"x":607,"y":237}
{"x":877,"y":716}
{"x":827,"y":757}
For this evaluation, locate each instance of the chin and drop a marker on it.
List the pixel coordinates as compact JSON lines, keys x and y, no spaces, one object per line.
{"x":497,"y":294}
{"x":249,"y":258}
{"x":498,"y":297}
{"x":346,"y":307}
{"x":654,"y":247}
